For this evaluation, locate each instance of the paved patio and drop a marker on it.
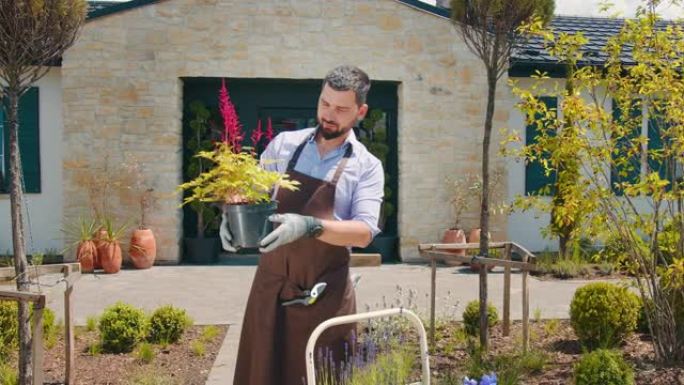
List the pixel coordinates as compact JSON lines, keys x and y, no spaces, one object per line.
{"x":218,"y":294}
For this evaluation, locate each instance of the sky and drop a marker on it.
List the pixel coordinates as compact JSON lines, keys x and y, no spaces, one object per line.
{"x":625,"y":8}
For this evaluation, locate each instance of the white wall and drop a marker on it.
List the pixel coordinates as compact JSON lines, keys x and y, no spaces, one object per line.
{"x":44,"y":209}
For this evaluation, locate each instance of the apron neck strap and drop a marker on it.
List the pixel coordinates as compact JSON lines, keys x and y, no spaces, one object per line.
{"x":343,"y":164}
{"x":295,"y":157}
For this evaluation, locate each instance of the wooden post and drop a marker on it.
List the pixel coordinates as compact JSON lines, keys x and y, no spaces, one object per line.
{"x":526,"y":308}
{"x":37,"y":342}
{"x":70,"y":372}
{"x":483,"y":308}
{"x":507,"y":293}
{"x":433,"y":290}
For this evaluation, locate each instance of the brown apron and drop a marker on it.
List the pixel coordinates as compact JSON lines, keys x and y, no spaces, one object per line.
{"x":273,"y":341}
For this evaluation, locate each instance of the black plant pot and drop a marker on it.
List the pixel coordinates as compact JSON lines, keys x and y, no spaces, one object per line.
{"x":201,"y":250}
{"x":249,"y":223}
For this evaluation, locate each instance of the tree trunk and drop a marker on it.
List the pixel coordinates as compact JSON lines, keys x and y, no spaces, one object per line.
{"x":20,"y":262}
{"x":563,"y":246}
{"x":567,"y":174}
{"x":200,"y":222}
{"x":484,"y":208}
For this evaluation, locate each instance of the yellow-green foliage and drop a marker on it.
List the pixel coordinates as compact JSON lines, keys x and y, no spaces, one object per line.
{"x":603,"y":314}
{"x":168,"y":324}
{"x":603,"y":367}
{"x":471,"y":317}
{"x":198,"y":348}
{"x":95,"y":349}
{"x":390,"y":368}
{"x":145,"y":353}
{"x":122,"y":327}
{"x":209,"y":333}
{"x":627,"y":125}
{"x":9,"y":328}
{"x":91,"y":323}
{"x":149,"y":376}
{"x":551,"y":326}
{"x":235,"y":178}
{"x":8,"y":375}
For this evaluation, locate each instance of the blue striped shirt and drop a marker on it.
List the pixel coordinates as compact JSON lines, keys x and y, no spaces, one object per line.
{"x":360,"y":189}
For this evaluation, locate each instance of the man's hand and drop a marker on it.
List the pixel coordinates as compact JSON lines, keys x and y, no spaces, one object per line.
{"x":292,"y":227}
{"x":226,"y":237}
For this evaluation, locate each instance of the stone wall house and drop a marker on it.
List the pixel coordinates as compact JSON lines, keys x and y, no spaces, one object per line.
{"x":121,"y":89}
{"x":123,"y":82}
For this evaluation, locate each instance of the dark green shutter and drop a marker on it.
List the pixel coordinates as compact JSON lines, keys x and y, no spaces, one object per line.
{"x":535,"y":177}
{"x":29,"y":141}
{"x":631,"y":170}
{"x":663,"y":167}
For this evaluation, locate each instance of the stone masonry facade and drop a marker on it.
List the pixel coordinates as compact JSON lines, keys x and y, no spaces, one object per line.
{"x":123,"y":94}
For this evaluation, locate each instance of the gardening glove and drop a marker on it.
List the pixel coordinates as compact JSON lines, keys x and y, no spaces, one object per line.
{"x":291,"y":228}
{"x":226,"y":237}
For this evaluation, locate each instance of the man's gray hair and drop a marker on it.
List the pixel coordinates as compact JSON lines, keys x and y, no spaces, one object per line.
{"x":349,"y":78}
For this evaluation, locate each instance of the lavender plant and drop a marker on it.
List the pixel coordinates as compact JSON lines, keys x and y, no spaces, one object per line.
{"x":487,"y":379}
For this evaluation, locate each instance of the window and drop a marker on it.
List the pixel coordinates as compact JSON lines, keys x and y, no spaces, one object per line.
{"x":29,"y":143}
{"x":536,"y":180}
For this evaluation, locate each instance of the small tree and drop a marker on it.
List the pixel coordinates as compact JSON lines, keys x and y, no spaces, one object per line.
{"x":33,"y":34}
{"x":635,"y":181}
{"x":568,"y":207}
{"x":489,"y":29}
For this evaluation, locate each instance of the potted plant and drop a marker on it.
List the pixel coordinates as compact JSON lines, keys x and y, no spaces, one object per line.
{"x":497,"y":204}
{"x":143,"y":245}
{"x":80,"y":236}
{"x":99,"y":179}
{"x":373,"y":135}
{"x":200,"y":248}
{"x":143,"y":249}
{"x":236,"y":182}
{"x":459,"y":192}
{"x":109,"y":247}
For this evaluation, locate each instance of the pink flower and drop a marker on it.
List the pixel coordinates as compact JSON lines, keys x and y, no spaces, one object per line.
{"x":232,"y":133}
{"x":257,"y":135}
{"x":269,"y":131}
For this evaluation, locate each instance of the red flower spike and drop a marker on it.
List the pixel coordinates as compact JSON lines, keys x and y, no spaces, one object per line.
{"x":269,"y":131}
{"x":257,"y":135}
{"x":232,"y":133}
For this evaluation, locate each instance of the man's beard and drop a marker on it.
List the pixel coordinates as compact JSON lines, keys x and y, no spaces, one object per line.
{"x":327,"y":135}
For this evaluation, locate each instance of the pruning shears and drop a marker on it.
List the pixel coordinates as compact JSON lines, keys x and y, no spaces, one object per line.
{"x":310,"y":296}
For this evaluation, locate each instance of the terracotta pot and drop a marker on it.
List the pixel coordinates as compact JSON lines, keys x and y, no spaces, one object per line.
{"x":110,"y":257}
{"x":85,"y":255}
{"x":98,"y":239}
{"x":143,"y":250}
{"x":474,"y":237}
{"x":454,"y":236}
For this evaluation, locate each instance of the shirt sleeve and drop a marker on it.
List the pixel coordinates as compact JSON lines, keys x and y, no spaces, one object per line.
{"x":269,"y":158}
{"x":367,"y":197}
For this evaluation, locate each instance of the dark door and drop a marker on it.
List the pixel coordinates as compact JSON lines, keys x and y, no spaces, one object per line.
{"x":291,"y":105}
